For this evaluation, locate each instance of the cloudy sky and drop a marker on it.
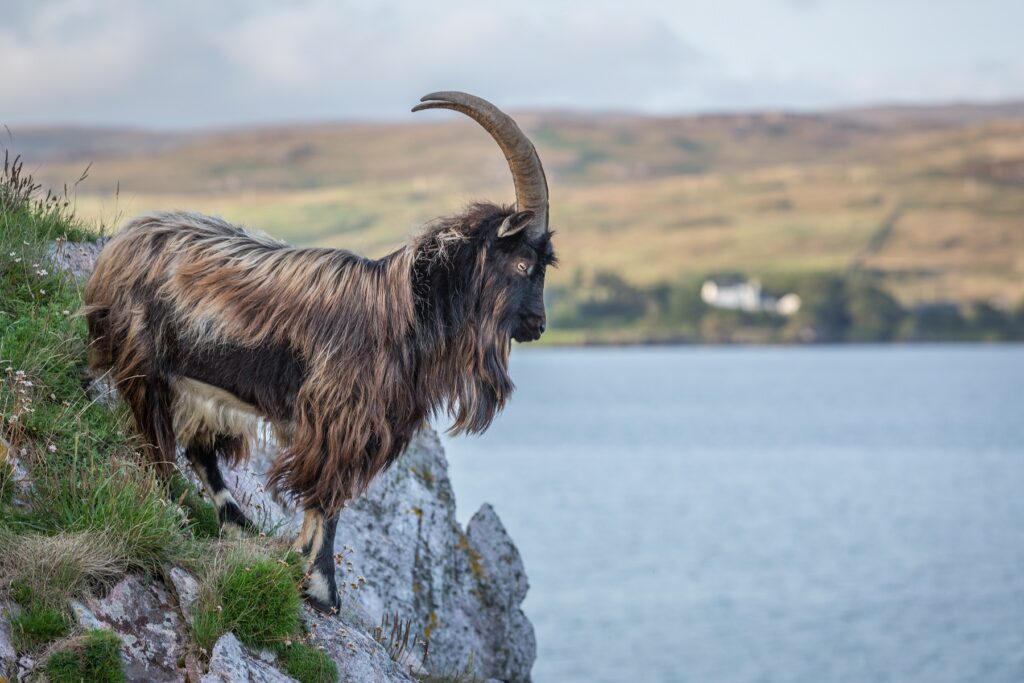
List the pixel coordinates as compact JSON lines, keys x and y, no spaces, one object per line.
{"x":194,"y":63}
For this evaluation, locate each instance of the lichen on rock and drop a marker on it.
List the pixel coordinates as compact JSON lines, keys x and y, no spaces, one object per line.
{"x":460,"y":589}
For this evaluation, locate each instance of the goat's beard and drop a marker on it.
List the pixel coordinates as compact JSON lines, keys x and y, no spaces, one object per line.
{"x":478,"y":362}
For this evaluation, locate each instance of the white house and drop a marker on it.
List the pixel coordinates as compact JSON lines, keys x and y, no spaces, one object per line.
{"x":747,"y":296}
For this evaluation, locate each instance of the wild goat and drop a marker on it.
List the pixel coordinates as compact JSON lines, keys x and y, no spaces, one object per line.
{"x":204,"y":326}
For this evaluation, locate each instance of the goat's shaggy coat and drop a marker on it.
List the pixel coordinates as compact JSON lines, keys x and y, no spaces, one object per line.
{"x":205,"y":327}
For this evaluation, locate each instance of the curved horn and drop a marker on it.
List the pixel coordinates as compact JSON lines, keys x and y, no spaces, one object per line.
{"x":527,"y":172}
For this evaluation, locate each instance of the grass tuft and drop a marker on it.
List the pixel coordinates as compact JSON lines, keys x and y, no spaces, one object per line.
{"x":118,"y":497}
{"x":37,"y":625}
{"x":47,"y":570}
{"x":251,"y":593}
{"x":308,"y":664}
{"x":96,"y":656}
{"x":202,"y":515}
{"x":261,"y":603}
{"x":6,"y":483}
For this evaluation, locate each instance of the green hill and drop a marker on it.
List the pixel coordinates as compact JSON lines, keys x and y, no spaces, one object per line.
{"x":926,"y":202}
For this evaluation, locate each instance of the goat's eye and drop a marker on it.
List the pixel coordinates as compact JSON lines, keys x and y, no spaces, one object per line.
{"x":522,"y":267}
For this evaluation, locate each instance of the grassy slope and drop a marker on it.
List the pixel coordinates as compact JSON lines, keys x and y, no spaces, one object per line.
{"x":652,"y":199}
{"x":93,"y":511}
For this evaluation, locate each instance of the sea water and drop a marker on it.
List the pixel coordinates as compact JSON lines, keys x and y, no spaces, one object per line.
{"x":763,"y":514}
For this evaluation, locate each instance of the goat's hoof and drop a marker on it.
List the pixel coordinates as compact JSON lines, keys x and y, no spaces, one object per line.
{"x":232,"y":517}
{"x":321,"y":592}
{"x":322,"y":606}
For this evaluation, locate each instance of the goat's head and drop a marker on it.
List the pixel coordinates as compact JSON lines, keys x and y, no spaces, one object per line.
{"x":518,"y":247}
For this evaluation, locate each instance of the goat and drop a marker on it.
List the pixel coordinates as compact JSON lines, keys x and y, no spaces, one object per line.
{"x":205,"y":327}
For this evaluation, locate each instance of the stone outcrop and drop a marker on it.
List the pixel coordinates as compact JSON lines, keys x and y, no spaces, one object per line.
{"x":147,"y":619}
{"x":460,"y":589}
{"x":230,"y":662}
{"x":8,"y":657}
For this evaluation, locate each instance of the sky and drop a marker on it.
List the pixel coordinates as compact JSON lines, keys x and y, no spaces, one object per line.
{"x":196,"y":63}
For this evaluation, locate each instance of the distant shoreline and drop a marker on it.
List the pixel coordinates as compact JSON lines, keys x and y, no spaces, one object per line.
{"x":651,"y":343}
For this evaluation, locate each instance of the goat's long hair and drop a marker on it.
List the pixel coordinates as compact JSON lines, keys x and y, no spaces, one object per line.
{"x":363,"y":351}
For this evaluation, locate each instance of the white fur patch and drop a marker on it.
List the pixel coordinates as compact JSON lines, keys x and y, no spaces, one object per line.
{"x":201,"y":408}
{"x":223,"y":497}
{"x":318,"y":588}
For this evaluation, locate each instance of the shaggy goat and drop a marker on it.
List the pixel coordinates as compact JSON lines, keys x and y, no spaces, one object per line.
{"x":204,"y":326}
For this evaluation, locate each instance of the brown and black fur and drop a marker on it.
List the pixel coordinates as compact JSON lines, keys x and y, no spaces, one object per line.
{"x":204,"y":327}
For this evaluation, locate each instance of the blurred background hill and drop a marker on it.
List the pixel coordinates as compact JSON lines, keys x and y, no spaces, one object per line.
{"x":902,"y":222}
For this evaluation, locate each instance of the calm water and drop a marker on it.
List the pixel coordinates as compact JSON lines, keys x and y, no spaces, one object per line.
{"x":740,"y":515}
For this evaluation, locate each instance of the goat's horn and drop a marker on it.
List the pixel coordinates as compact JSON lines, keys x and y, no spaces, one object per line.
{"x":527,"y":172}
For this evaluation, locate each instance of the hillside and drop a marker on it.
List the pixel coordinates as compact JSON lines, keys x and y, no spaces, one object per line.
{"x":927,"y":201}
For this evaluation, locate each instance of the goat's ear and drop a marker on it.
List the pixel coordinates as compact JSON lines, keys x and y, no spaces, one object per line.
{"x":515,"y":223}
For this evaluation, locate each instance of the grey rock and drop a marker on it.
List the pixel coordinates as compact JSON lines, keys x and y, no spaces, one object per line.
{"x":495,"y":609}
{"x":358,"y":656}
{"x":145,"y":617}
{"x":22,"y":486}
{"x":12,"y":666}
{"x":76,"y":258}
{"x":84,"y":616}
{"x":26,"y":668}
{"x":462,"y":590}
{"x":8,"y":657}
{"x":102,"y":391}
{"x":187,"y":589}
{"x":232,"y":663}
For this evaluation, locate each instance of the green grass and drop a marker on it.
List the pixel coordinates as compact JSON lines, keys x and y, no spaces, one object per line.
{"x":308,"y":664}
{"x":6,"y":484}
{"x":37,"y":625}
{"x":96,"y":510}
{"x":42,"y":340}
{"x":254,"y":593}
{"x":95,"y":657}
{"x":255,"y":598}
{"x":119,"y":497}
{"x":202,"y":515}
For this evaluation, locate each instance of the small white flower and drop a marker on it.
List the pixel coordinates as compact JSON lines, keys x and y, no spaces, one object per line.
{"x":51,"y":448}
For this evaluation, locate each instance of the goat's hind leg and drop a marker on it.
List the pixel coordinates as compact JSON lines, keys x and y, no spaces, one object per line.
{"x":316,"y":544}
{"x":202,"y":453}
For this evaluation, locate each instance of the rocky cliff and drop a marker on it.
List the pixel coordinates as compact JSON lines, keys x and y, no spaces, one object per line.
{"x":402,"y":553}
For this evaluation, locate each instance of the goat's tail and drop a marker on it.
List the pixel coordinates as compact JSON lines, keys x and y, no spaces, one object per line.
{"x":122,"y":347}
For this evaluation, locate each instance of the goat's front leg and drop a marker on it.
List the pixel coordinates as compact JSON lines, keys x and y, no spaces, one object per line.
{"x":202,"y":454}
{"x":316,"y":544}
